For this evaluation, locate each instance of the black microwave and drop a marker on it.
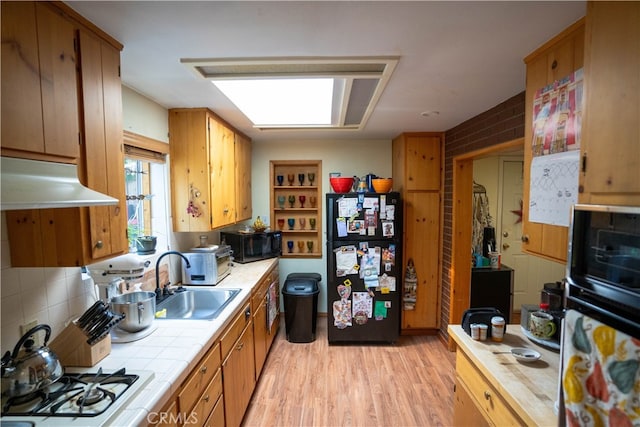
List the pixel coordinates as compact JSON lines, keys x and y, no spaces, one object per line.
{"x":603,"y":270}
{"x":249,"y":247}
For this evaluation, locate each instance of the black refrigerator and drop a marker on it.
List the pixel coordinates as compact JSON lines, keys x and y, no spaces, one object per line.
{"x":364,"y":267}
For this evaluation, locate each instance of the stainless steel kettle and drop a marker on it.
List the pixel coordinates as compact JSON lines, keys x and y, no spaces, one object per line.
{"x":30,"y":369}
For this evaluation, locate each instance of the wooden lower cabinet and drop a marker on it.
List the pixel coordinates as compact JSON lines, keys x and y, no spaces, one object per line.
{"x":465,"y":411}
{"x":264,"y":331}
{"x":201,"y":390}
{"x":238,"y":369}
{"x":476,"y":401}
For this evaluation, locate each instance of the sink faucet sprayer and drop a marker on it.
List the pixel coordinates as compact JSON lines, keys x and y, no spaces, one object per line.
{"x":158,"y":290}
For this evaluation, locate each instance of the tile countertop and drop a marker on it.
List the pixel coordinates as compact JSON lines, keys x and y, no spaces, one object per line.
{"x":530,"y":388}
{"x":176,"y":346}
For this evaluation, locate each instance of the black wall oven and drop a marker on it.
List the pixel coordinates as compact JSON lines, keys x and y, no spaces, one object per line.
{"x":603,"y":269}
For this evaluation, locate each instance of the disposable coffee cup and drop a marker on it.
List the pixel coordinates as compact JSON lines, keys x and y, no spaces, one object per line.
{"x":475,"y":331}
{"x":483,"y":331}
{"x":494,"y":259}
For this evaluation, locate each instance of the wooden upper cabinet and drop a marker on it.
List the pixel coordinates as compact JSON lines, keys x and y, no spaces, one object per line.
{"x":68,"y":237}
{"x":611,"y":121}
{"x":102,"y":159}
{"x":244,"y":207}
{"x":417,"y":162}
{"x":222,"y":180}
{"x":210,"y":171}
{"x":39,"y":83}
{"x":553,"y":61}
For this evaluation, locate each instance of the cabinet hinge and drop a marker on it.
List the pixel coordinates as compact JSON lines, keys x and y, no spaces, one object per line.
{"x":583,"y":166}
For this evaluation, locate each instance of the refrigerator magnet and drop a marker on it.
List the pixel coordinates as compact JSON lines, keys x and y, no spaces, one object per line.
{"x":388,"y":229}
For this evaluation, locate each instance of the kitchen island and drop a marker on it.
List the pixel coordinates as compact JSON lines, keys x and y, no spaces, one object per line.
{"x":493,"y":388}
{"x":176,"y":348}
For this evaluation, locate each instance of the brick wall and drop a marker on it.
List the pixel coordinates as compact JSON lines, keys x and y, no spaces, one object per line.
{"x":502,"y":123}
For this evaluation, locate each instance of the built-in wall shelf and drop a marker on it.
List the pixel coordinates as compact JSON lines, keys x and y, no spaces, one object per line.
{"x":296,"y":206}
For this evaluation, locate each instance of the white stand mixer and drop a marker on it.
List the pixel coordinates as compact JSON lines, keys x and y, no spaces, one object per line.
{"x":108,"y":274}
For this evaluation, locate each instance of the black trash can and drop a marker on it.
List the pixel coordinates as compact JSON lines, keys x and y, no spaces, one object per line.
{"x":300,"y":293}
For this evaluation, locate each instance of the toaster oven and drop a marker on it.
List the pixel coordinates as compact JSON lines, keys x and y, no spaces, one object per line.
{"x":208,"y":267}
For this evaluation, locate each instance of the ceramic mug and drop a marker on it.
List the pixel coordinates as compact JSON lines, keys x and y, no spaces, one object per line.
{"x":541,"y":325}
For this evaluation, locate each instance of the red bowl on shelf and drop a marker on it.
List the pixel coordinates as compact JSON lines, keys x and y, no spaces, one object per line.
{"x":341,"y":184}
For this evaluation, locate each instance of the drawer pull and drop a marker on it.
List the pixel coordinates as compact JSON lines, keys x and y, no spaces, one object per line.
{"x":239,"y":346}
{"x":206,"y":398}
{"x":203,"y":370}
{"x":487,"y":395}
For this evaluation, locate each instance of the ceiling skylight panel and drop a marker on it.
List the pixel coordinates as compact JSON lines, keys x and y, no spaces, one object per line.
{"x":282,"y":102}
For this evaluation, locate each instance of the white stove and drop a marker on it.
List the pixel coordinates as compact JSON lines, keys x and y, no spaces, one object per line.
{"x":77,"y":399}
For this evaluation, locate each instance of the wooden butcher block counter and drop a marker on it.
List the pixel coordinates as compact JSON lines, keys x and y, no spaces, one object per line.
{"x":493,"y":388}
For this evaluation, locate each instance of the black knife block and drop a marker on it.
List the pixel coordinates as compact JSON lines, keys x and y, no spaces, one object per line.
{"x":72,"y":349}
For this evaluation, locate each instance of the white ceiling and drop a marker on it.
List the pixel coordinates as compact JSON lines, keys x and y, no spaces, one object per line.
{"x":457,"y":58}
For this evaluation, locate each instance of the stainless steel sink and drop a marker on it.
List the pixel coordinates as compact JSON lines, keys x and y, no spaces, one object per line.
{"x":196,"y":304}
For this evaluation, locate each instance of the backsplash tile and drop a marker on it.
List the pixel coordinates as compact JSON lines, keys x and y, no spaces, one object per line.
{"x":48,"y":295}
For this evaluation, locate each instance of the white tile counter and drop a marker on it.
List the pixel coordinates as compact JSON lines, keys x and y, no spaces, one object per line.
{"x":176,"y":346}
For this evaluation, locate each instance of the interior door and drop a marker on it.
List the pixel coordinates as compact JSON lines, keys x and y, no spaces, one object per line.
{"x":530,"y":272}
{"x":510,"y":244}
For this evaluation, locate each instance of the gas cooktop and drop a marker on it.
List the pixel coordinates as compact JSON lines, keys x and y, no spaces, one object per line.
{"x":77,"y":399}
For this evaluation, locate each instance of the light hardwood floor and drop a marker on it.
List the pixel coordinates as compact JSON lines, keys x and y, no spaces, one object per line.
{"x":409,"y":383}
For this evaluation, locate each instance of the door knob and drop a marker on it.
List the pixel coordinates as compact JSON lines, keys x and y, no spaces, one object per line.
{"x":505,"y":246}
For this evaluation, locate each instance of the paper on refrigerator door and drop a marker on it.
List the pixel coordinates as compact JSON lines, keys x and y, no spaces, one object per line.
{"x":346,"y":261}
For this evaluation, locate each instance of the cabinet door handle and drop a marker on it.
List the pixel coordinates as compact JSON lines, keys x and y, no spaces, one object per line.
{"x":239,"y":346}
{"x":206,"y":398}
{"x":203,"y":370}
{"x":99,"y":244}
{"x":525,"y":238}
{"x":487,"y":395}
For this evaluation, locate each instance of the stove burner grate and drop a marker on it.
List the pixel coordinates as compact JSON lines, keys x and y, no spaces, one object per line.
{"x":78,"y":395}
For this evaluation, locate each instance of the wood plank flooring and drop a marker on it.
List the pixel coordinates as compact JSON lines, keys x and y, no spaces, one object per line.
{"x":409,"y":383}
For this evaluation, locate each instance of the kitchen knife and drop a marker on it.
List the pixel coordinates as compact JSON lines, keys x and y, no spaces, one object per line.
{"x":96,"y":320}
{"x":90,"y":314}
{"x":85,"y":316}
{"x":104,"y":331}
{"x":103,"y":321}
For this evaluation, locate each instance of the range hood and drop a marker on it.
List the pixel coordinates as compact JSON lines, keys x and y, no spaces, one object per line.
{"x":35,"y":184}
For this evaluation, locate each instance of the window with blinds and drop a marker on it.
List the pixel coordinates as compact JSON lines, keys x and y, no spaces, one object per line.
{"x":144,"y":165}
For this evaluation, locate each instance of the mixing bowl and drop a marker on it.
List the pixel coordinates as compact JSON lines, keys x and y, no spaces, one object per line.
{"x":341,"y":184}
{"x":382,"y":185}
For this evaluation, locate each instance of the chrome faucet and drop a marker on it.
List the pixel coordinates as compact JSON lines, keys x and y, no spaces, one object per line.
{"x":158,"y":290}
